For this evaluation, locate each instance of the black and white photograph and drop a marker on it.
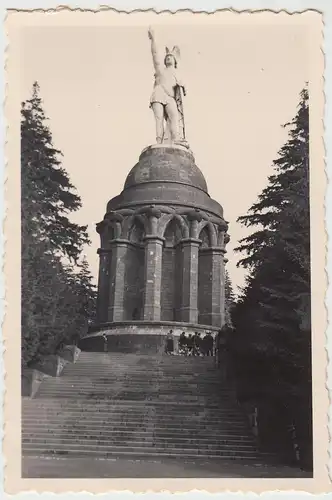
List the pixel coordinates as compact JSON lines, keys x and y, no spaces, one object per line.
{"x":169,"y":247}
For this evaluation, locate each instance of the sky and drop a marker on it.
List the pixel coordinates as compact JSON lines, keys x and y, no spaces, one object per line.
{"x":243,"y":77}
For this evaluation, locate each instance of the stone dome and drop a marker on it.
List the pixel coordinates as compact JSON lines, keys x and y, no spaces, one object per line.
{"x":166,"y":175}
{"x":166,"y":164}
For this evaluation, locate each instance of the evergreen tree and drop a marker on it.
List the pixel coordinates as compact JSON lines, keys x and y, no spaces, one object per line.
{"x":57,"y":298}
{"x":272,"y":341}
{"x":47,"y":193}
{"x":80,"y":282}
{"x":281,"y":214}
{"x":229,"y":300}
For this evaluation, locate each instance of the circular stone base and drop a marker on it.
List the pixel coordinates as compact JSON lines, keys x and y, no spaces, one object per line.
{"x":137,"y":336}
{"x":182,"y":146}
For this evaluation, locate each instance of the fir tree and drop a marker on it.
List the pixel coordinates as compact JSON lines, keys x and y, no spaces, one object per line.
{"x":282,"y":219}
{"x":272,"y":341}
{"x":229,"y":300}
{"x":57,"y":298}
{"x":47,"y":193}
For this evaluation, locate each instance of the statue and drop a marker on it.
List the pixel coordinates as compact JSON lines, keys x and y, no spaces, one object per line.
{"x":166,"y":99}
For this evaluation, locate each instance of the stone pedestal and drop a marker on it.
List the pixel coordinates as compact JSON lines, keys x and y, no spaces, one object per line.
{"x":162,"y":246}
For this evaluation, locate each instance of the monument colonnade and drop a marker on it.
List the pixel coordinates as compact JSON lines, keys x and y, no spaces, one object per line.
{"x":136,"y":271}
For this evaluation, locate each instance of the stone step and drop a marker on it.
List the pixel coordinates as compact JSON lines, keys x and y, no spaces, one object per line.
{"x":210,"y":416}
{"x":134,"y":426}
{"x":143,"y":421}
{"x":138,"y":363}
{"x":107,"y":419}
{"x":148,"y":358}
{"x":218,"y":414}
{"x":145,"y":378}
{"x":100,"y":450}
{"x":153,"y":385}
{"x":141,"y":434}
{"x":174,"y":363}
{"x":163,"y":384}
{"x":184,"y":406}
{"x":129,"y":405}
{"x":119,"y":403}
{"x":129,"y":417}
{"x":160,"y":432}
{"x":151,"y":404}
{"x":148,"y":397}
{"x":152,"y":389}
{"x":131,"y":359}
{"x":104,"y":412}
{"x":162,"y":407}
{"x":142,"y":375}
{"x":138,"y":442}
{"x":143,"y":454}
{"x":139,"y":366}
{"x":209,"y":371}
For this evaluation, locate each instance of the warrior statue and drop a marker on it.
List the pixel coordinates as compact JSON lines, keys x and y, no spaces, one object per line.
{"x":166,"y":99}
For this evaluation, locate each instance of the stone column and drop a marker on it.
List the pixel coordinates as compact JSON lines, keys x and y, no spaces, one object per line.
{"x":103,"y":284}
{"x":218,"y":287}
{"x":152,"y":277}
{"x":117,"y":280}
{"x":189,"y":280}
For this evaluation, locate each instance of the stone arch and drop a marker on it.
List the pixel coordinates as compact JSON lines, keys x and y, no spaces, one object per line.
{"x":173,"y":233}
{"x":204,"y":236}
{"x":173,"y":222}
{"x":136,"y":231}
{"x":132,"y":222}
{"x":107,"y":234}
{"x":207,"y":228}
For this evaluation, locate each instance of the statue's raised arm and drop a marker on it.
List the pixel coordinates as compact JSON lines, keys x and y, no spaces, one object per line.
{"x":157,"y":62}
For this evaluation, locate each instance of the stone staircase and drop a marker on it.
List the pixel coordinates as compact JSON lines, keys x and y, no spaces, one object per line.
{"x":110,"y":405}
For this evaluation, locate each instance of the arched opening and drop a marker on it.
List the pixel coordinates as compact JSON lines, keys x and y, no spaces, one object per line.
{"x":136,"y":232}
{"x":169,"y":297}
{"x":204,"y":278}
{"x":134,"y":273}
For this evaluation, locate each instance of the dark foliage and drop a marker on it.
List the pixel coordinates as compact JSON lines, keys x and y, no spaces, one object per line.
{"x":271,"y":345}
{"x":229,"y":300}
{"x":57,"y":298}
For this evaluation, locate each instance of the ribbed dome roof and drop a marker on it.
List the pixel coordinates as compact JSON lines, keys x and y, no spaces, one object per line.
{"x":166,"y":164}
{"x":166,"y":175}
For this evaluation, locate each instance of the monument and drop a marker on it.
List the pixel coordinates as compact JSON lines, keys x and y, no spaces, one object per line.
{"x":163,"y":238}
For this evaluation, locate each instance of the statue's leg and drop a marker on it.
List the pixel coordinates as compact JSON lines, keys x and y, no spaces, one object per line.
{"x":158,"y":110}
{"x":173,"y":117}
